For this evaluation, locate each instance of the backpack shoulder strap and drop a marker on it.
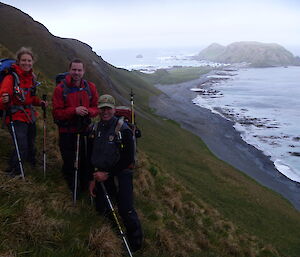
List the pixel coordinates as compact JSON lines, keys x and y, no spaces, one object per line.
{"x":119,"y":125}
{"x":14,"y":76}
{"x":87,"y":88}
{"x":67,"y":90}
{"x":93,"y":130}
{"x":16,"y":87}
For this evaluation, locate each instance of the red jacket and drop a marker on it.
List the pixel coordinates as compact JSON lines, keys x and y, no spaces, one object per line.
{"x":26,"y":81}
{"x":64,"y":106}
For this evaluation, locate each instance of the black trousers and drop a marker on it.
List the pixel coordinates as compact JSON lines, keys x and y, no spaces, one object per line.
{"x":25,"y":134}
{"x":120,"y":189}
{"x":68,"y":148}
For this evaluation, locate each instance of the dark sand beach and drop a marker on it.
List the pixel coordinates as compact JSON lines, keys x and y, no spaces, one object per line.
{"x":221,"y":138}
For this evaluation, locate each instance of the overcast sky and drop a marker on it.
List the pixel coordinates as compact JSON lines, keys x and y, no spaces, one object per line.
{"x":107,"y":24}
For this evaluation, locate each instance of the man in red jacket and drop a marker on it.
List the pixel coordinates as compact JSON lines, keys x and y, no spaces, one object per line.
{"x":74,"y":104}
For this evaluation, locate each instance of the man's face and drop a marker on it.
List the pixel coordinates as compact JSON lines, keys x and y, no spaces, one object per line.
{"x":76,"y":71}
{"x":106,"y":113}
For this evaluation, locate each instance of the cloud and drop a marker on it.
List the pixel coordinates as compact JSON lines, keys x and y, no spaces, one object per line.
{"x":106,"y":24}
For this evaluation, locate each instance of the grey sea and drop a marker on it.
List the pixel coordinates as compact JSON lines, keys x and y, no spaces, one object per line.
{"x":264,"y":104}
{"x":149,"y":60}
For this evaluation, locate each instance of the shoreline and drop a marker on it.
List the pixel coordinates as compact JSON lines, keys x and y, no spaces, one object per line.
{"x":220,"y":136}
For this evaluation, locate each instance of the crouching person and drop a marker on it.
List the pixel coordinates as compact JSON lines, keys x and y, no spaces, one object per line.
{"x":112,"y":157}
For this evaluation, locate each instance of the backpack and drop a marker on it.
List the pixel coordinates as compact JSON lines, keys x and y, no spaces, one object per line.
{"x":126,"y":112}
{"x":107,"y":145}
{"x":5,"y":69}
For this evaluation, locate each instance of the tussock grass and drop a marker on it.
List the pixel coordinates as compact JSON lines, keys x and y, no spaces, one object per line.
{"x":181,"y":224}
{"x":104,"y":242}
{"x":240,"y":200}
{"x":37,"y":220}
{"x":37,"y":217}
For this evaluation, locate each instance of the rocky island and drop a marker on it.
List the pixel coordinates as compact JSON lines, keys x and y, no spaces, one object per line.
{"x":255,"y":54}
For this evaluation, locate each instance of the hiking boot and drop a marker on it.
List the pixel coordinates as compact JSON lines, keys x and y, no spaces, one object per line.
{"x":8,"y":170}
{"x":135,"y":241}
{"x":135,"y":244}
{"x":12,"y":173}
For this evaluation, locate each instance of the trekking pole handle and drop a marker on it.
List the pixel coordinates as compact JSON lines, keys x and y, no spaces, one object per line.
{"x":6,"y":97}
{"x":132,"y":108}
{"x":44,"y":98}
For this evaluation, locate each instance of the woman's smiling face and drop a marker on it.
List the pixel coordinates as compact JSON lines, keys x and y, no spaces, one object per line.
{"x":26,"y":62}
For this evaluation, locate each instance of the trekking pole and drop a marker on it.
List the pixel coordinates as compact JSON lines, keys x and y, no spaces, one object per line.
{"x":44,"y":98}
{"x":116,"y":219}
{"x":76,"y":169}
{"x":132,"y":109}
{"x":86,"y":158}
{"x":16,"y":143}
{"x":79,"y":128}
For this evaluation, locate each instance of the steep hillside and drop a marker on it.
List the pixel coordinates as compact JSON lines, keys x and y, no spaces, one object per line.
{"x":255,"y":53}
{"x":54,"y":53}
{"x":190,"y":203}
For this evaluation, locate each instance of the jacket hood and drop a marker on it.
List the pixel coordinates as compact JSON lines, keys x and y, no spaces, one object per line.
{"x":69,"y":81}
{"x":22,"y":73}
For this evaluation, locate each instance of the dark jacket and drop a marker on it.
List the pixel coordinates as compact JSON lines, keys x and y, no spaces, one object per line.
{"x":126,"y":146}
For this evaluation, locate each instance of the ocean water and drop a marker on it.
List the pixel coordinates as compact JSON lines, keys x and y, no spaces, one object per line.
{"x":264,"y":104}
{"x":149,"y":60}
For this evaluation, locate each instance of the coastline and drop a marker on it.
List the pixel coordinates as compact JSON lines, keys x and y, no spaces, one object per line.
{"x":221,"y":137}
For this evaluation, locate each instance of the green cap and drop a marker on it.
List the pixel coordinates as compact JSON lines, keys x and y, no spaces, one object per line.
{"x":106,"y":101}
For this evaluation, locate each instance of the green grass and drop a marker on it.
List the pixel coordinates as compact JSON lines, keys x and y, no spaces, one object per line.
{"x":173,"y":75}
{"x":252,"y":207}
{"x":38,"y":219}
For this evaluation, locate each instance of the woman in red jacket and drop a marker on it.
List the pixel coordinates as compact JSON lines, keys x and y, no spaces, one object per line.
{"x":19,"y":99}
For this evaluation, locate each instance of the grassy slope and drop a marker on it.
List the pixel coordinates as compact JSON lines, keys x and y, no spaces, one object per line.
{"x":241,"y":200}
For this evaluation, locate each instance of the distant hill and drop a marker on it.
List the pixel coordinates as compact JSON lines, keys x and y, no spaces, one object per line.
{"x":255,"y":53}
{"x":211,"y":52}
